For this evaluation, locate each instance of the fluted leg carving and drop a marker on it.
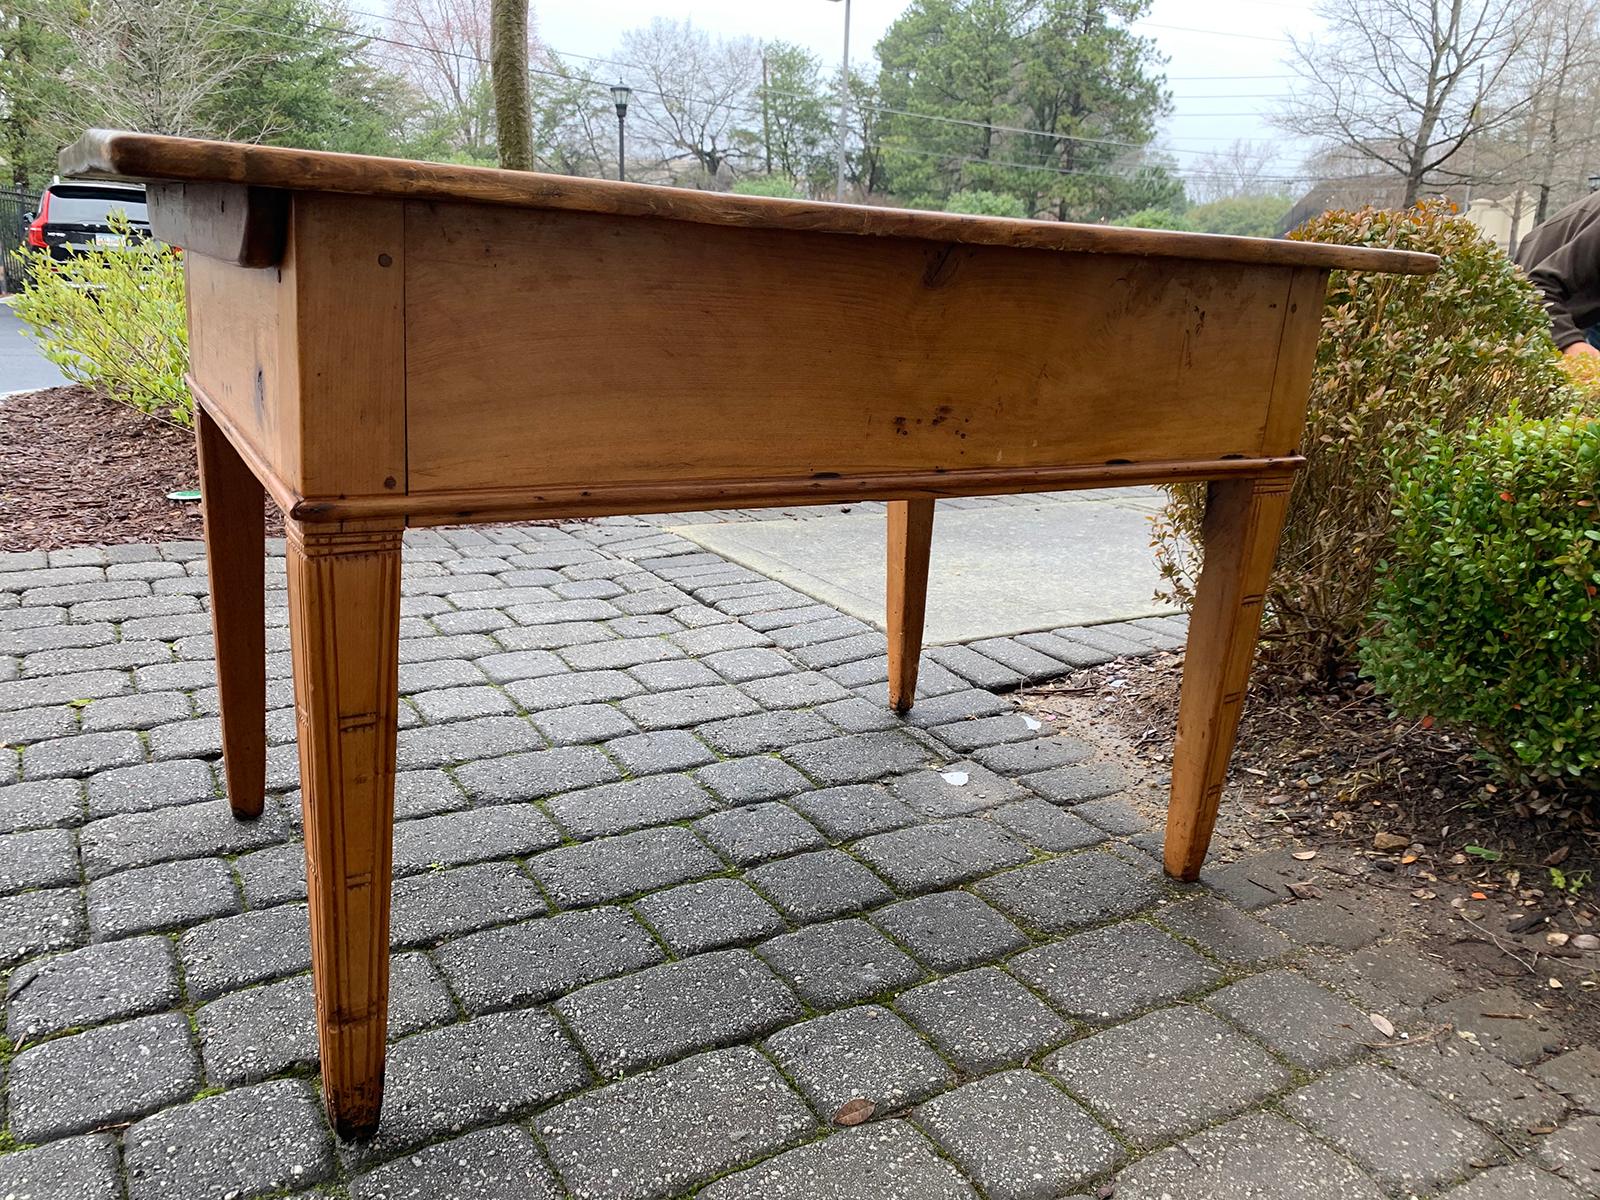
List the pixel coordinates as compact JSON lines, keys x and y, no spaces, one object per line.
{"x":344,"y":592}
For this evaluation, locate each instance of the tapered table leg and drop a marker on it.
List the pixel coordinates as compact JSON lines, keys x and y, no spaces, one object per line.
{"x":232,"y":505}
{"x":344,"y":610}
{"x":1240,"y":539}
{"x":910,"y":541}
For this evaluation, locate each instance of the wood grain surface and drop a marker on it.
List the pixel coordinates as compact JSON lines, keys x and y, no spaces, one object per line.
{"x":1239,"y":540}
{"x":910,"y":540}
{"x":117,"y":154}
{"x":551,"y":349}
{"x":235,"y":522}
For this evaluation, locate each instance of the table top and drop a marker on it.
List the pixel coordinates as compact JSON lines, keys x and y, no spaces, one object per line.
{"x":115,"y":154}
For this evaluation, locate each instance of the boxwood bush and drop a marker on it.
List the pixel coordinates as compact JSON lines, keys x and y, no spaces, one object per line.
{"x":1400,"y":355}
{"x":1488,"y":609}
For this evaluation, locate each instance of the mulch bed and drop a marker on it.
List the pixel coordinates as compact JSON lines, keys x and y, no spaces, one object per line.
{"x":1404,"y":809}
{"x":78,"y":469}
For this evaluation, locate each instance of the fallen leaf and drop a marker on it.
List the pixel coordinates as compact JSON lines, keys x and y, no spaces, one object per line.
{"x":1556,"y":983}
{"x":1479,"y":896}
{"x":1304,"y":891}
{"x":1382,"y":1024}
{"x":1304,"y":855}
{"x":1556,"y":938}
{"x":1541,"y":1130}
{"x":1408,"y":859}
{"x":1390,"y":841}
{"x":854,"y":1112}
{"x":1586,"y":941}
{"x":1558,"y":857}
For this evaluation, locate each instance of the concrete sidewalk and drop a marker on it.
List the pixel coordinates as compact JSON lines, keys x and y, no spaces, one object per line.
{"x":22,"y":367}
{"x":1000,"y":566}
{"x":673,"y":888}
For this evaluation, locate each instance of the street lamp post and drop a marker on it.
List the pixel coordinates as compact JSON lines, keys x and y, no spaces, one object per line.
{"x":844,"y":102}
{"x":620,"y":95}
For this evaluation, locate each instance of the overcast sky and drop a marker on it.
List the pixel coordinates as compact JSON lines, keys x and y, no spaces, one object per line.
{"x":1226,"y":57}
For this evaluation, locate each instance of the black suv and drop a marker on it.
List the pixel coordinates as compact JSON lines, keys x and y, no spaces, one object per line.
{"x":76,"y":216}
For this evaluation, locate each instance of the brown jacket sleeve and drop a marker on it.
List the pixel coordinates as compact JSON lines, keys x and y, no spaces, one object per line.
{"x":1571,"y":270}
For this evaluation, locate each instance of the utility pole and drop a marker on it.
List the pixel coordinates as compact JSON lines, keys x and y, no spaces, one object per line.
{"x":766,"y":119}
{"x":844,"y":103}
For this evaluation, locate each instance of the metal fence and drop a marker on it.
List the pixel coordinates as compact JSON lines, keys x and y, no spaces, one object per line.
{"x":15,"y":205}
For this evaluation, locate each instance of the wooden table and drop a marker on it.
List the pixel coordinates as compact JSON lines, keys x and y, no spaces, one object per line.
{"x":382,"y":344}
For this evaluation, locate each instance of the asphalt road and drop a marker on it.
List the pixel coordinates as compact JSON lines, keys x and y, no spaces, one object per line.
{"x":22,"y":367}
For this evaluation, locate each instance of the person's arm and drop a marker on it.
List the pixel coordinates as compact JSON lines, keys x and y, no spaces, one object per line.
{"x":1571,"y":271}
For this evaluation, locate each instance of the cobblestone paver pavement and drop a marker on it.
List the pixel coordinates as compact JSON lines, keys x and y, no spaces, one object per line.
{"x":673,"y":887}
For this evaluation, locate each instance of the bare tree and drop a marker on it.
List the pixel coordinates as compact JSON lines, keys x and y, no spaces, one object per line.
{"x":1405,"y":84}
{"x":698,"y":97}
{"x":574,"y":122}
{"x":151,"y":65}
{"x":443,"y":49}
{"x":508,"y":53}
{"x":1559,"y":71}
{"x":1240,"y":169}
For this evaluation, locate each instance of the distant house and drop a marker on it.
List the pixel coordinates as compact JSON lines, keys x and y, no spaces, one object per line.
{"x":1505,"y":221}
{"x":1501,"y":218}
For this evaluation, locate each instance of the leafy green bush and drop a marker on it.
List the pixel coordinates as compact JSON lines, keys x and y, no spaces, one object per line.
{"x":113,"y":318}
{"x":985,"y":204}
{"x":1488,"y":613}
{"x":1155,"y":218}
{"x":1583,"y":373}
{"x":1242,"y":216}
{"x":1400,"y":355}
{"x":768,"y":185}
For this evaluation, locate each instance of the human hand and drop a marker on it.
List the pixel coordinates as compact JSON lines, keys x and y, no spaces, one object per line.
{"x":1580,"y":350}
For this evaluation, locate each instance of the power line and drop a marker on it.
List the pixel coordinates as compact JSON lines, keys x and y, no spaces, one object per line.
{"x":730,"y":106}
{"x":1083,"y":138}
{"x":751,"y":110}
{"x":1228,"y":33}
{"x":1189,"y":116}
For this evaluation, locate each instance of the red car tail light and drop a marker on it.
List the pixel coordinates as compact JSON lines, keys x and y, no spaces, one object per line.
{"x":36,"y":227}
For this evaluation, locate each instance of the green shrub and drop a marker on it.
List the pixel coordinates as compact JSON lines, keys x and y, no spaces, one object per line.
{"x":1488,"y":613}
{"x":768,"y":185}
{"x":1400,"y":355}
{"x":114,"y":319}
{"x":985,"y":204}
{"x":1583,"y":373}
{"x":1155,"y":218}
{"x":1242,"y":216}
